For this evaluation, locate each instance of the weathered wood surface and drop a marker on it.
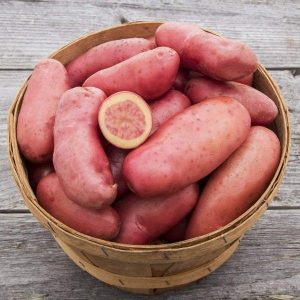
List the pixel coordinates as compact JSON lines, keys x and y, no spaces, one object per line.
{"x":289,"y":193}
{"x":265,"y":266}
{"x":30,"y":30}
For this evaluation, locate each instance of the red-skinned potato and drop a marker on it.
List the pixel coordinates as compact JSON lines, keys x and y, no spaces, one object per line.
{"x":48,"y":81}
{"x":143,"y":220}
{"x":187,"y":147}
{"x":103,"y":224}
{"x":79,"y":159}
{"x":167,"y":106}
{"x":217,"y":57}
{"x":261,"y":108}
{"x":237,"y":183}
{"x":152,"y":40}
{"x":149,"y":74}
{"x":104,"y":56}
{"x":162,"y":109}
{"x":38,"y":171}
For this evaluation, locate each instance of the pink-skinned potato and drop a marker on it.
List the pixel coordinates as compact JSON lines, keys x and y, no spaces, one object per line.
{"x":149,"y":74}
{"x":48,"y":81}
{"x":38,"y":171}
{"x":217,"y":57}
{"x":162,"y":109}
{"x":104,"y":56}
{"x":248,"y":80}
{"x":143,"y":220}
{"x":237,"y":184}
{"x":79,"y":159}
{"x":103,"y":223}
{"x":187,"y":147}
{"x":261,"y":108}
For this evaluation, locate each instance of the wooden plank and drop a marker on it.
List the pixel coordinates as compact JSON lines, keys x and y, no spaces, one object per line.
{"x":271,"y":29}
{"x":289,"y":193}
{"x":266,"y":265}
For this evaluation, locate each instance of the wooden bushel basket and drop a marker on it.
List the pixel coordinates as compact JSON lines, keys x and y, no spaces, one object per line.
{"x":148,"y":269}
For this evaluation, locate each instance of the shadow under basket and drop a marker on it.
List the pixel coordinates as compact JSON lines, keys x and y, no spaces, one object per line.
{"x":148,"y":269}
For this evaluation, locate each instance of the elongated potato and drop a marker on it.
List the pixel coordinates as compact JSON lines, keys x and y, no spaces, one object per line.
{"x":213,"y":56}
{"x":104,"y":56}
{"x":38,"y":171}
{"x":143,"y":220}
{"x":187,"y":147}
{"x":79,"y":159}
{"x":149,"y":74}
{"x":237,"y":183}
{"x":49,"y":80}
{"x":103,"y":224}
{"x":162,"y":109}
{"x":261,"y":108}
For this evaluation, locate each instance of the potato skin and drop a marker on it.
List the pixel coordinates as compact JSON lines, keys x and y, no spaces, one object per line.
{"x":49,"y":80}
{"x":79,"y":159}
{"x":162,"y":109}
{"x":104,"y":56}
{"x":143,"y":220}
{"x":236,"y":184}
{"x":169,"y":105}
{"x":103,"y":224}
{"x":247,"y":80}
{"x":217,"y":57}
{"x":149,"y":74}
{"x":261,"y":108}
{"x":187,"y":147}
{"x":177,"y":233}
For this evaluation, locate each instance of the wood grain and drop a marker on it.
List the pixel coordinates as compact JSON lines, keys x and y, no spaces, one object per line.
{"x":271,"y":28}
{"x":267,"y":264}
{"x":289,"y":192}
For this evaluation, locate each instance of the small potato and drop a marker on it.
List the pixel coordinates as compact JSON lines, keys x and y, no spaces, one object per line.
{"x":104,"y":56}
{"x":211,"y":55}
{"x":261,"y":108}
{"x":236,"y":184}
{"x":162,"y":109}
{"x":187,"y":147}
{"x":49,"y":80}
{"x":143,"y":220}
{"x":79,"y":159}
{"x":38,"y":171}
{"x":103,"y":224}
{"x":149,"y":74}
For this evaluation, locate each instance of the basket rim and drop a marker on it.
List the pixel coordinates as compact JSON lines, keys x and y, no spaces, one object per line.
{"x":17,"y":166}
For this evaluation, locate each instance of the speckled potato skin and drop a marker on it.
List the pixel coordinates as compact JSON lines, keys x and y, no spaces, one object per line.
{"x":187,"y":147}
{"x":236,"y":184}
{"x":143,"y":220}
{"x":103,"y":223}
{"x":217,"y":57}
{"x":49,"y":80}
{"x":104,"y":56}
{"x":79,"y":159}
{"x":149,"y":74}
{"x":261,"y":108}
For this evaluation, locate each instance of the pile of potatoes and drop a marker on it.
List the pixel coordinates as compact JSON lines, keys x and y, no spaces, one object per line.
{"x":209,"y":155}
